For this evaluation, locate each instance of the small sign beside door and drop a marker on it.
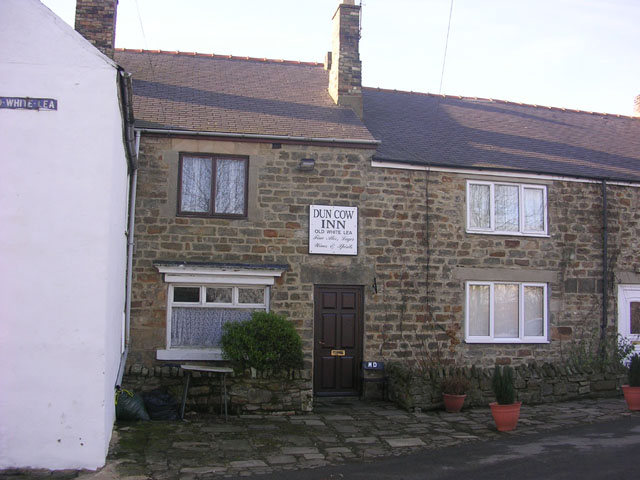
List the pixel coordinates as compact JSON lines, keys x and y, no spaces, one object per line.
{"x":333,"y":230}
{"x":369,"y":365}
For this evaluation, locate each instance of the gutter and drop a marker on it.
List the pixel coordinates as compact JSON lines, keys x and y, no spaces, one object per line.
{"x":270,"y":138}
{"x":132,"y":148}
{"x":380,"y":162}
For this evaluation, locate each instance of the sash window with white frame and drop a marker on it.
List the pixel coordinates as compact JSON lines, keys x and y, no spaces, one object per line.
{"x":506,"y":208}
{"x":506,"y":312}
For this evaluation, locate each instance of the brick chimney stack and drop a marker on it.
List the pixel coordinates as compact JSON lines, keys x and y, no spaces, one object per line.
{"x":636,"y":106}
{"x":343,"y":62}
{"x":96,"y":21}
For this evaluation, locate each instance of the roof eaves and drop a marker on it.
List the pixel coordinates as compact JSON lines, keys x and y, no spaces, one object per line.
{"x":252,"y":136}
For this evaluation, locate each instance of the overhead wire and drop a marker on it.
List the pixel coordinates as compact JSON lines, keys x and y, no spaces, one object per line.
{"x":446,"y":45}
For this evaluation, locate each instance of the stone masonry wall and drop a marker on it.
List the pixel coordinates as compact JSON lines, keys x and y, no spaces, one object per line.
{"x":412,"y":389}
{"x":402,"y":243}
{"x":251,"y":392}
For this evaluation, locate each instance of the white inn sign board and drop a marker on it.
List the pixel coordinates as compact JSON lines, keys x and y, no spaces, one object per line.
{"x":333,"y":230}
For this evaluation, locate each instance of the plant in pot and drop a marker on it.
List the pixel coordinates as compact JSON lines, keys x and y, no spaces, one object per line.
{"x":632,"y":391}
{"x":505,"y":409}
{"x":454,"y":391}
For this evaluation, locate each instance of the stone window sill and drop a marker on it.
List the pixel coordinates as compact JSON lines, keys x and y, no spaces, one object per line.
{"x":189,"y":354}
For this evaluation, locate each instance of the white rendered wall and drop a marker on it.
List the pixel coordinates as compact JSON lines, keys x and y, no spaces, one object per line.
{"x":63,"y":187}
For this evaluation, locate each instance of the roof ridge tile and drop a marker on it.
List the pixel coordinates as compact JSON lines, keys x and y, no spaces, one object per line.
{"x":215,"y":55}
{"x":506,"y":102}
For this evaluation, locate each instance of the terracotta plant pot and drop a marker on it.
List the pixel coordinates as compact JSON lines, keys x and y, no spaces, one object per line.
{"x":453,"y":403}
{"x":505,"y":416}
{"x":632,"y":397}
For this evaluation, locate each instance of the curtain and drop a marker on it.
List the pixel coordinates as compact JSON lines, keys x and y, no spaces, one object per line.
{"x":479,"y":310}
{"x":506,"y":311}
{"x":230,"y":186}
{"x":196,"y":184}
{"x":507,"y":208}
{"x":202,"y":327}
{"x":533,"y":210}
{"x":479,"y":211}
{"x":533,"y":311}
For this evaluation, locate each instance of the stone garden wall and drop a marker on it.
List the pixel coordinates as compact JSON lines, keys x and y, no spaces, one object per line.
{"x":412,"y":389}
{"x":249,"y":392}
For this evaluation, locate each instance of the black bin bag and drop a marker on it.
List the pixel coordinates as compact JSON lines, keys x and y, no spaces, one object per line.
{"x":161,"y":405}
{"x":130,"y":406}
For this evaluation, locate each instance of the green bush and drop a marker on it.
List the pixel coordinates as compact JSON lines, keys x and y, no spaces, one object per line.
{"x":266,"y":342}
{"x":502,"y":385}
{"x":634,"y":371}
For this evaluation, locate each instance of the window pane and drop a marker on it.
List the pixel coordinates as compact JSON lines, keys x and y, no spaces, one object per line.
{"x":220,"y":295}
{"x":202,"y":327}
{"x":186,"y":294}
{"x":479,"y":310}
{"x":479,"y":206}
{"x":230,"y":186}
{"x":507,"y":208}
{"x":196,"y":185}
{"x":534,"y":210}
{"x":634,"y":327}
{"x":505,"y":316}
{"x":251,"y":295}
{"x":533,"y":311}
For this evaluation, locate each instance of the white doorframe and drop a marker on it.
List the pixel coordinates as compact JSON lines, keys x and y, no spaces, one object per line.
{"x":627,"y":295}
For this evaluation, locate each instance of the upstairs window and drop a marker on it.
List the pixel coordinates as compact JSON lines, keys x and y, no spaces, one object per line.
{"x":501,"y":312}
{"x":212,"y":185}
{"x":506,"y":208}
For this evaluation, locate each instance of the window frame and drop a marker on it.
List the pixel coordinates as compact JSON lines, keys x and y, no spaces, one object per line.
{"x":203,"y":276}
{"x":522,"y":230}
{"x":522,"y":338}
{"x":202,"y":303}
{"x":213,"y":158}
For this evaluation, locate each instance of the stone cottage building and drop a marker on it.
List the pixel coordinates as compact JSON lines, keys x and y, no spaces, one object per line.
{"x":385,"y":225}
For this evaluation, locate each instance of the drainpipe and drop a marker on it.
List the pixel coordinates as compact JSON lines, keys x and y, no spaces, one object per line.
{"x":133,"y":148}
{"x":605,"y":268}
{"x":130,"y":249}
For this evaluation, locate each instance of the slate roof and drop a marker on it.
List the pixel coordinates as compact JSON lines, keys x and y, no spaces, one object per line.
{"x":224,"y":94}
{"x":481,"y":133}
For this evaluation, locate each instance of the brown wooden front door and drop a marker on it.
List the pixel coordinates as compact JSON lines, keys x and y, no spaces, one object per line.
{"x":338,"y":325}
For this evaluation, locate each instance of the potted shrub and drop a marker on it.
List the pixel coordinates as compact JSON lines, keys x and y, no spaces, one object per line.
{"x":454,"y":391}
{"x":632,"y":391}
{"x":505,"y":409}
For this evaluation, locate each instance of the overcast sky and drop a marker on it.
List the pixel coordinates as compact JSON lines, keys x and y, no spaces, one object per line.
{"x":581,"y":54}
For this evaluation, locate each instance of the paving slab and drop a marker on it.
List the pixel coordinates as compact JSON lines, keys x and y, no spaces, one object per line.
{"x":404,"y":442}
{"x":206,"y":447}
